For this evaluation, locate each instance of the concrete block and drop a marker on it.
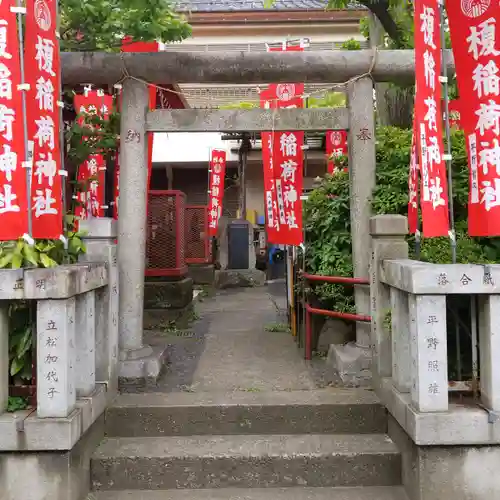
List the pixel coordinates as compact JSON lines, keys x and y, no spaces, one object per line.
{"x":400,"y":333}
{"x":202,"y":274}
{"x":64,"y":281}
{"x":428,"y":349}
{"x":489,"y":340}
{"x":422,"y":278}
{"x":245,"y":461}
{"x":461,"y":425}
{"x":100,"y":228}
{"x":388,"y":225}
{"x":85,"y":341}
{"x":107,"y":303}
{"x":168,"y":294}
{"x":352,"y":363}
{"x":280,"y":412}
{"x":239,"y":278}
{"x":447,"y":472}
{"x":382,"y":248}
{"x":303,"y":493}
{"x":56,"y":475}
{"x":56,"y":357}
{"x":11,"y":284}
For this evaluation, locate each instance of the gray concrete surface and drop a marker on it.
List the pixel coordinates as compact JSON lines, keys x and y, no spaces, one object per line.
{"x":228,"y":348}
{"x":338,"y":411}
{"x":245,"y":461}
{"x":367,"y":493}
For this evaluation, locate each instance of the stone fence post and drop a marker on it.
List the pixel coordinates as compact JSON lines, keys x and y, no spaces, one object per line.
{"x":388,"y":234}
{"x":100,"y":240}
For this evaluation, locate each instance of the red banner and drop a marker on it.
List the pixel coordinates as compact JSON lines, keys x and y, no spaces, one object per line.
{"x":13,"y":202}
{"x":454,"y":112}
{"x":129,"y":46}
{"x":43,"y":74}
{"x":283,"y":159}
{"x":433,"y":189}
{"x":217,"y":175}
{"x":413,"y":185}
{"x":288,"y":166}
{"x":116,"y":190}
{"x":92,"y":174}
{"x":336,"y":145}
{"x":272,"y":224}
{"x":476,"y":50}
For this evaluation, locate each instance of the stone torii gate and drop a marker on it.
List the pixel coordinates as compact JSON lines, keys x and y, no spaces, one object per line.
{"x":359,"y":69}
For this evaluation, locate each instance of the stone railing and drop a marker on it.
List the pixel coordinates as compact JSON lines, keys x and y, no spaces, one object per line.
{"x":409,"y":332}
{"x":76,"y":345}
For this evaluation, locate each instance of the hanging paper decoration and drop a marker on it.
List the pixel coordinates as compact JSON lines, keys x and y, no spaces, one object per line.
{"x":13,"y":196}
{"x":433,"y":189}
{"x":476,"y":49}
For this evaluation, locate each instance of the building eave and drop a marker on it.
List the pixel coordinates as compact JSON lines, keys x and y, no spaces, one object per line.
{"x":276,"y":16}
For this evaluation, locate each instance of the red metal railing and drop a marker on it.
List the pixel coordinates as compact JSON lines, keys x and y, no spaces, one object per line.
{"x":197,"y":242}
{"x":309,"y":310}
{"x":165,"y":245}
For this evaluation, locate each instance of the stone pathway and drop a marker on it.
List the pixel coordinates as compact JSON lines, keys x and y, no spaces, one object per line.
{"x":229,"y":349}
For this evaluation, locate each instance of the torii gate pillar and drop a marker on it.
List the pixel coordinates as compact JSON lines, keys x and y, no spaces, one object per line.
{"x":353,"y":361}
{"x":138,"y":361}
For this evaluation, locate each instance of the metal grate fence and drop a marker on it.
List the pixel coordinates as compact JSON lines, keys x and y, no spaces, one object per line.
{"x":198,"y":248}
{"x":165,"y":244}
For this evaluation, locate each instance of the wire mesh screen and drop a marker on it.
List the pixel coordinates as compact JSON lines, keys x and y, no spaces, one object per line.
{"x":165,"y":244}
{"x":197,"y":249}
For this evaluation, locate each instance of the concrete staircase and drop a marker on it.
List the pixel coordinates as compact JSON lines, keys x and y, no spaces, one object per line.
{"x":298,"y":445}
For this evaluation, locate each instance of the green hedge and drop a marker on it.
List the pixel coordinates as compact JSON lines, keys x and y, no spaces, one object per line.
{"x":327,"y":216}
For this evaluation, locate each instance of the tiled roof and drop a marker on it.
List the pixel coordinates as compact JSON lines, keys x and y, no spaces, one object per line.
{"x":251,"y":5}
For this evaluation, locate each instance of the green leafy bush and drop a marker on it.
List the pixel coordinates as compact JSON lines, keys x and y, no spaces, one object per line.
{"x":328,"y":238}
{"x":22,"y":314}
{"x":327,"y":216}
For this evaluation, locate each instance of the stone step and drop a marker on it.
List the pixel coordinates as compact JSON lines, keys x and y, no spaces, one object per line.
{"x":369,"y":493}
{"x":333,"y":411}
{"x":250,"y":461}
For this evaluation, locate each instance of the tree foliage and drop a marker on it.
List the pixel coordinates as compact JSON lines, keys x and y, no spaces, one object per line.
{"x":90,"y":25}
{"x":327,"y":216}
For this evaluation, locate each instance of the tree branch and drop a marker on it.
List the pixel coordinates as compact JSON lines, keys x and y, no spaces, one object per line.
{"x":380,"y":9}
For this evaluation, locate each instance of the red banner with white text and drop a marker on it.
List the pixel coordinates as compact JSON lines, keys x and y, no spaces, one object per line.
{"x":271,"y":205}
{"x":92,"y":174}
{"x":284,"y":158}
{"x":476,"y":48}
{"x":413,"y":185}
{"x":454,"y":112}
{"x":428,"y":118}
{"x":13,"y":202}
{"x":43,"y":74}
{"x":216,"y":186}
{"x":336,"y":145}
{"x":116,"y":188}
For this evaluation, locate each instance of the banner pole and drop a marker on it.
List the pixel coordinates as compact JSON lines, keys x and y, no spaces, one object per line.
{"x":27,"y":153}
{"x":447,"y":155}
{"x":63,"y":171}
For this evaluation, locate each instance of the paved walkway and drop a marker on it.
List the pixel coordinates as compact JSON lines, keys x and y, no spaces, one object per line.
{"x":229,"y":349}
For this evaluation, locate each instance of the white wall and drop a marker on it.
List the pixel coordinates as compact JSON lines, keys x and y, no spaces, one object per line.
{"x":189,"y":147}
